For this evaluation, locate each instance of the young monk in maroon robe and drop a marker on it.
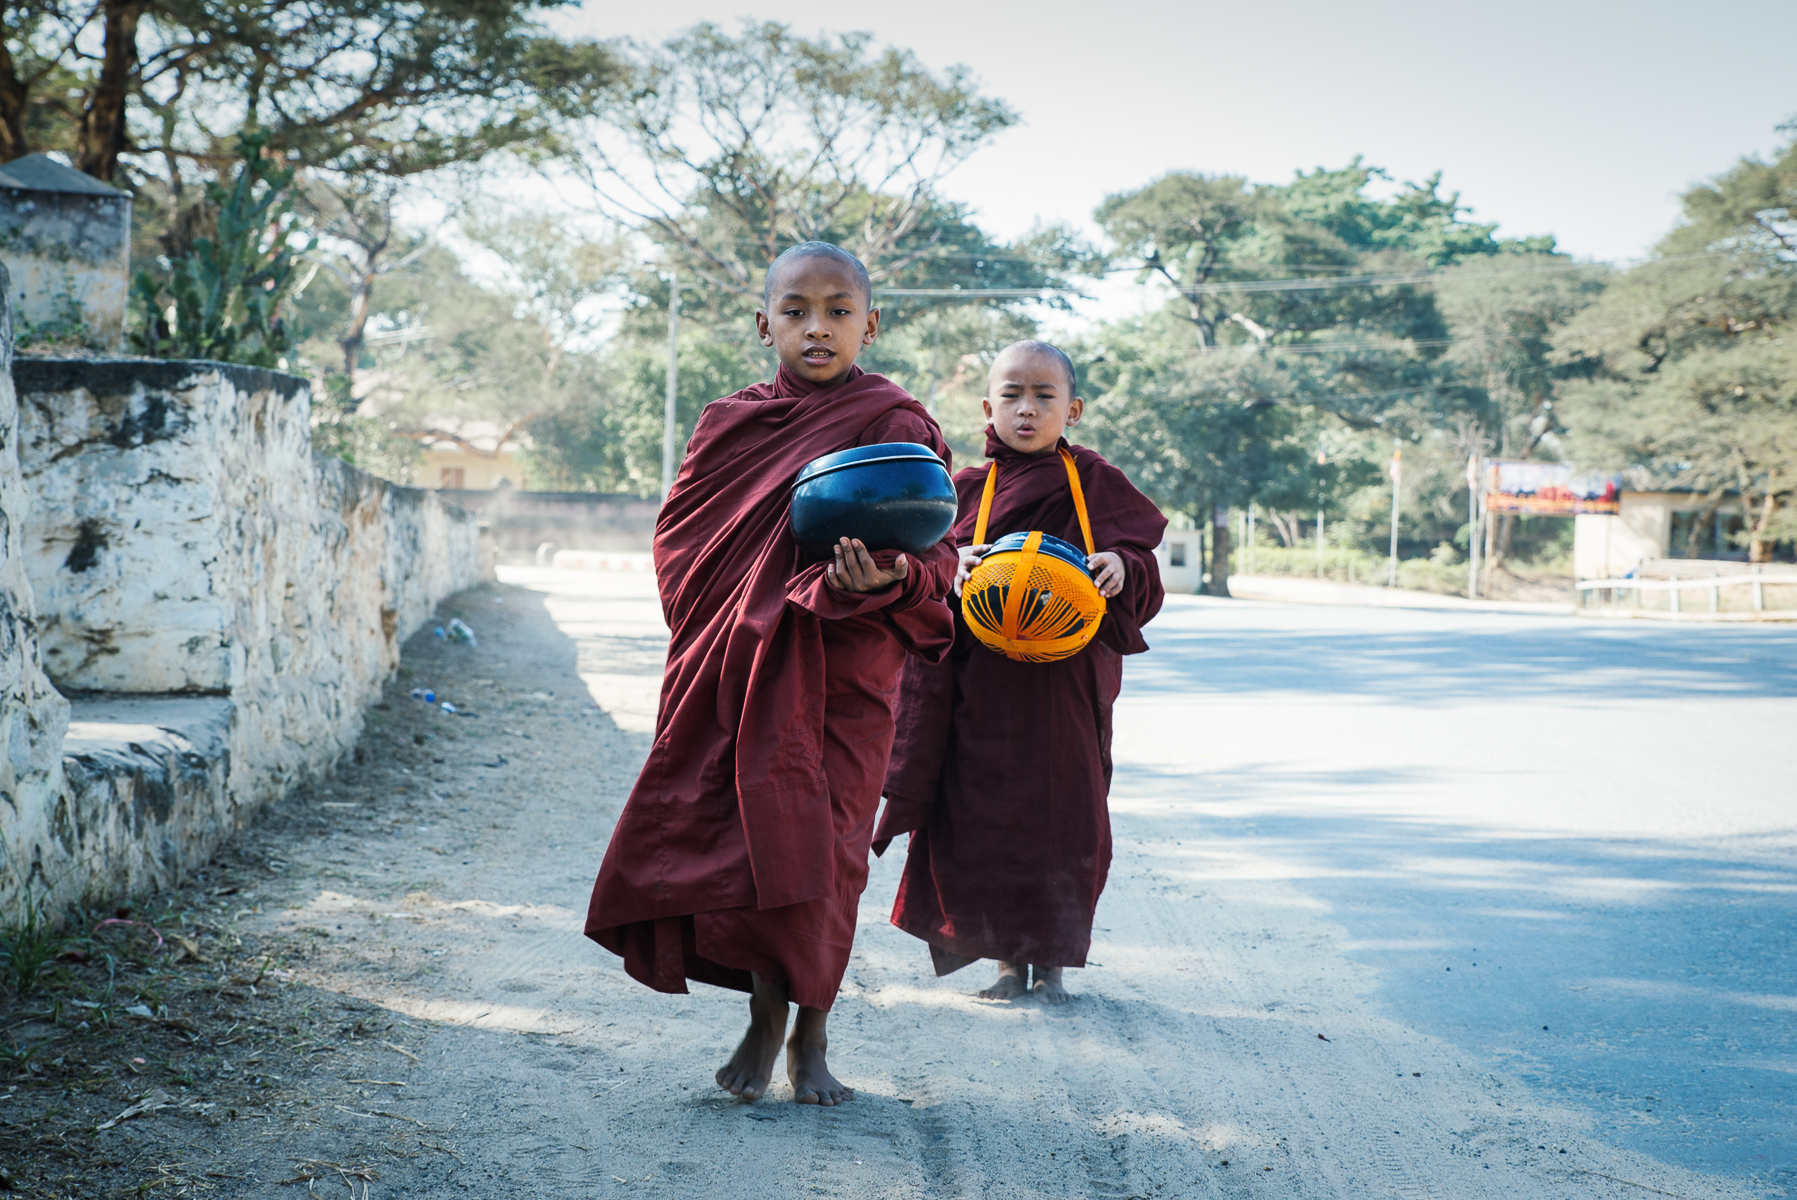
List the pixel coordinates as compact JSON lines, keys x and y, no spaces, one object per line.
{"x":1001,"y":769}
{"x":741,"y":854}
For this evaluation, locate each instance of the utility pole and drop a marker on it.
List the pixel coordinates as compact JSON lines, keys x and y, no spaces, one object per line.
{"x":1322,"y":460}
{"x":935,"y":354}
{"x":1397,"y":478}
{"x":1472,"y":527}
{"x":667,"y":428}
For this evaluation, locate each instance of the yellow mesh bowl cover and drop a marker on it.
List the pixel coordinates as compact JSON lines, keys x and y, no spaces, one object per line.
{"x":1051,"y":615}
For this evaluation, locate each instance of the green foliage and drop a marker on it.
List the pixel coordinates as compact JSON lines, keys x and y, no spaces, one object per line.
{"x":451,"y":82}
{"x":227,"y":289}
{"x":28,"y":943}
{"x":726,"y":149}
{"x":1696,"y":353}
{"x":613,"y":443}
{"x":368,"y":443}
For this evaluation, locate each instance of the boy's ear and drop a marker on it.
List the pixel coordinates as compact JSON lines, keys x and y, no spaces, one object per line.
{"x":761,"y":328}
{"x":1074,"y":410}
{"x":873,"y":327}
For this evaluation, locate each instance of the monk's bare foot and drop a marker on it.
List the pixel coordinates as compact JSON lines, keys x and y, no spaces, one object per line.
{"x":751,"y":1068}
{"x":1048,"y":987}
{"x":812,"y":1082}
{"x":1011,"y":982}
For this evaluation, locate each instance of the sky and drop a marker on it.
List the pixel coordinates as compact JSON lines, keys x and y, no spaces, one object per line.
{"x":1578,"y":118}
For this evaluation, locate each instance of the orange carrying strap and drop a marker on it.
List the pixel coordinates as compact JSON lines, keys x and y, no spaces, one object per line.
{"x":1079,"y":504}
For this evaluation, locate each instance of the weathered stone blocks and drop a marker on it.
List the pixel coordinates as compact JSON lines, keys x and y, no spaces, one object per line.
{"x":223,"y":603}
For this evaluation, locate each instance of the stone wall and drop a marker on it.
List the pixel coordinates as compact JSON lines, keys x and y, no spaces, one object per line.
{"x":185,"y":544}
{"x":33,"y":716}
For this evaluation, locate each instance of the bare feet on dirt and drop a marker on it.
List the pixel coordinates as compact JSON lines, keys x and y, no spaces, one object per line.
{"x":1048,"y":987}
{"x":1011,"y":982}
{"x":751,"y":1068}
{"x":812,"y":1082}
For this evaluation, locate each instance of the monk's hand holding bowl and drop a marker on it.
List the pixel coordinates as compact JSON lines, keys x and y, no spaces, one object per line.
{"x":853,"y":569}
{"x":970,"y":558}
{"x":1107,"y":572}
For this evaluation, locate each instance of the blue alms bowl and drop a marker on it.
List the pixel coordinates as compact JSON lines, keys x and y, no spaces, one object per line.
{"x":1067,"y":552}
{"x":891,"y":495}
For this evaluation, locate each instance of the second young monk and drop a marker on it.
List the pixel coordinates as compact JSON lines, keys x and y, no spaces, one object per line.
{"x":1001,"y":769}
{"x":741,"y":854}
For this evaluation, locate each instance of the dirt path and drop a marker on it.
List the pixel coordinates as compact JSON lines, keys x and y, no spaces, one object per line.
{"x":453,"y":1032}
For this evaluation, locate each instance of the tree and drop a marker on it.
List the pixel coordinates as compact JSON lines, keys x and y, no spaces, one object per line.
{"x":354,"y":236}
{"x":1315,"y":300}
{"x":727,"y":149}
{"x":1504,"y":316}
{"x":225,"y":285}
{"x":1697,"y":379}
{"x":352,"y":85}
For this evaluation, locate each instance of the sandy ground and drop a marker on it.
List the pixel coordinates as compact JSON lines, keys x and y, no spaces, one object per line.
{"x":1325,"y":818}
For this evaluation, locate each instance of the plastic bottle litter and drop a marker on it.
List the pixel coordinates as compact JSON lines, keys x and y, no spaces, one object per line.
{"x":417,"y":693}
{"x":448,"y":707}
{"x":460,"y":634}
{"x":430,"y":697}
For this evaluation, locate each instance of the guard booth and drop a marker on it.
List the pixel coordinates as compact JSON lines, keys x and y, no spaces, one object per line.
{"x":65,"y":238}
{"x":1181,"y":559}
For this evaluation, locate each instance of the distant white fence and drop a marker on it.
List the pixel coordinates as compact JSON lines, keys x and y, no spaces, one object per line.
{"x":600,"y":560}
{"x":1751,"y":585}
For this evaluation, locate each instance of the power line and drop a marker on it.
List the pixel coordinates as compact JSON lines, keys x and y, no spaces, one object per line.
{"x":1255,"y":286}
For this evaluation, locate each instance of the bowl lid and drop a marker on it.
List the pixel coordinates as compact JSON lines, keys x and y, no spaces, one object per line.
{"x":1067,"y":552}
{"x":879,"y":452}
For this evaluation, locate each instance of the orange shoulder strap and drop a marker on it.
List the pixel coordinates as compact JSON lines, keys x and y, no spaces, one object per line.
{"x":1079,"y":503}
{"x":1079,"y":500}
{"x":979,"y":526}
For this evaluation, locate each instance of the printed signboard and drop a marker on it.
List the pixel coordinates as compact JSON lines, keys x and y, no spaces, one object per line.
{"x":1548,"y":489}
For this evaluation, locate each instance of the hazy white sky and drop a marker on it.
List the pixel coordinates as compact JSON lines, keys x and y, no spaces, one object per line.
{"x":1579,"y":118}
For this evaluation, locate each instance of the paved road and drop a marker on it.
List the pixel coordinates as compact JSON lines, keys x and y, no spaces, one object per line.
{"x":1364,"y":857}
{"x":1566,"y":848}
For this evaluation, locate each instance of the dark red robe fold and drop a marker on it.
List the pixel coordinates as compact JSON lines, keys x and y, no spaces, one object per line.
{"x":1001,"y":770}
{"x":743,"y":846}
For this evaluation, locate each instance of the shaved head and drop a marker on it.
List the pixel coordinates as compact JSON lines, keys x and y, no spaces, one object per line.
{"x":818,"y":250}
{"x":1052,"y":351}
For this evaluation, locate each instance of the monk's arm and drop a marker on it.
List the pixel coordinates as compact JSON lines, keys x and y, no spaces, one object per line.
{"x":1134,"y":606}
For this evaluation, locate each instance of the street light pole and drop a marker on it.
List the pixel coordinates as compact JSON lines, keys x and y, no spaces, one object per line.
{"x":1322,"y":460}
{"x":1472,"y":527}
{"x":668,"y":425}
{"x":1397,"y":477}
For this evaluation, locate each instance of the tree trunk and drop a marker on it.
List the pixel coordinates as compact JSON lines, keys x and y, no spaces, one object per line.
{"x":1219,"y":551}
{"x":14,"y":97}
{"x":102,"y":135}
{"x":1506,"y":529}
{"x":1286,"y":526}
{"x":355,"y":335}
{"x":1759,"y":549}
{"x":1490,"y":566}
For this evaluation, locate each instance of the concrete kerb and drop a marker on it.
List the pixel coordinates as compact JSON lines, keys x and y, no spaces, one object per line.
{"x":1295,"y":590}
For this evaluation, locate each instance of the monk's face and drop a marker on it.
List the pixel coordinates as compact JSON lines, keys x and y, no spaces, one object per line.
{"x":1030,"y":401}
{"x":818,"y":319}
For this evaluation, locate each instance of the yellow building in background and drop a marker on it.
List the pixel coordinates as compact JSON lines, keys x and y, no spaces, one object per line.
{"x":469,"y":455}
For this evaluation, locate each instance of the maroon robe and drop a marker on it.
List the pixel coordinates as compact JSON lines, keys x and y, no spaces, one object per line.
{"x":743,"y":846}
{"x":1001,"y":769}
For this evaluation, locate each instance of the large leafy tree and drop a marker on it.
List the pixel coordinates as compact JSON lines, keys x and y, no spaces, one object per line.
{"x":1310,"y":312}
{"x":355,"y":86}
{"x":728,"y":148}
{"x":1698,"y":352}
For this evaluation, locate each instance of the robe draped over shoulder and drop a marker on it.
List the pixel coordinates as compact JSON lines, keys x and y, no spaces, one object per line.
{"x":743,"y":846}
{"x":1001,"y":770}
